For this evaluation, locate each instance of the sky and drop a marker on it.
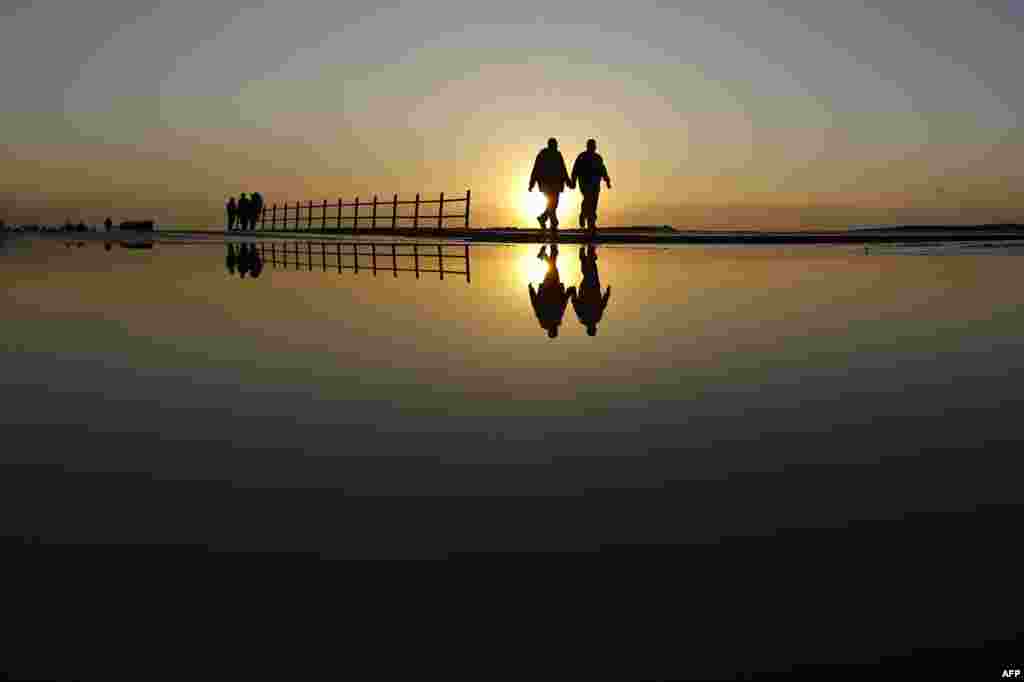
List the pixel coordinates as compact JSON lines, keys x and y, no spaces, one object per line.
{"x":709,"y":113}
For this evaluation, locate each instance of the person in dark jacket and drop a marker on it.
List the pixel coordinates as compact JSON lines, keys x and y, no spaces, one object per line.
{"x":551,"y":297}
{"x":257,"y":209}
{"x":550,"y":174}
{"x":232,"y":209}
{"x":589,"y":170}
{"x":244,"y":208}
{"x":588,"y":303}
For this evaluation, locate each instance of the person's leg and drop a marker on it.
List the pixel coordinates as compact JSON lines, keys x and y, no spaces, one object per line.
{"x":592,"y":212}
{"x":552,"y":209}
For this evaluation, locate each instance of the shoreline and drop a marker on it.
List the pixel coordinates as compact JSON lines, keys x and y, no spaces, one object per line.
{"x":612,"y":235}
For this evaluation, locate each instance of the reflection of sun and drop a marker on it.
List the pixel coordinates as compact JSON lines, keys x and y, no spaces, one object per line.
{"x":531,"y":269}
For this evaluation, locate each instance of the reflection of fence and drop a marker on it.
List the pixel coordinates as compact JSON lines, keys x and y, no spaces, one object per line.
{"x":356,"y":256}
{"x":373,"y":215}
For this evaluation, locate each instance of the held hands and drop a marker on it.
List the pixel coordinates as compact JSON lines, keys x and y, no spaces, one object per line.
{"x":608,"y":183}
{"x":530,"y":188}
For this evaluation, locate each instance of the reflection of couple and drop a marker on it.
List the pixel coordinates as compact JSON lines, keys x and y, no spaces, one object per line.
{"x":550,"y":174}
{"x":246,"y":260}
{"x":551,"y":297}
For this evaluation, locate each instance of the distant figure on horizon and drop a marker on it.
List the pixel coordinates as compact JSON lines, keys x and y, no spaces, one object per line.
{"x":589,"y":169}
{"x":589,"y":304}
{"x":550,"y":174}
{"x":243,"y":208}
{"x":232,"y":209}
{"x":551,"y":297}
{"x":257,"y":209}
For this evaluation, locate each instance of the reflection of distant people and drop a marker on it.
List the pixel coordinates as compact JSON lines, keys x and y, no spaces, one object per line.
{"x":588,"y":303}
{"x":550,"y":174}
{"x":551,"y":297}
{"x":247,"y":261}
{"x":108,"y":224}
{"x":589,"y":169}
{"x":232,"y":209}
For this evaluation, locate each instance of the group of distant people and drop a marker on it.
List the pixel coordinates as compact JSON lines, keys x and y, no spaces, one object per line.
{"x":245,"y":212}
{"x":551,"y":297}
{"x":550,"y":174}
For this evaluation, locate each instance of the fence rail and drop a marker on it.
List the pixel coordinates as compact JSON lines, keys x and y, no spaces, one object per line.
{"x":356,"y":256}
{"x":324,"y":215}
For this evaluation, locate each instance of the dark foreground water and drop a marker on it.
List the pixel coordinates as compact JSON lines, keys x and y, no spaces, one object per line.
{"x":820,"y":442}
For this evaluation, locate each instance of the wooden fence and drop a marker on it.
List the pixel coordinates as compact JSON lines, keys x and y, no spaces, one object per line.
{"x":324,"y":215}
{"x":356,"y":256}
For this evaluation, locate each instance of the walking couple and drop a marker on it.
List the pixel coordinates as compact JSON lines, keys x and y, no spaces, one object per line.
{"x":550,"y":174}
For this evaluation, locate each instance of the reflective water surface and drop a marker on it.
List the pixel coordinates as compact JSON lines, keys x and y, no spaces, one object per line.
{"x":828,"y":432}
{"x":511,"y":356}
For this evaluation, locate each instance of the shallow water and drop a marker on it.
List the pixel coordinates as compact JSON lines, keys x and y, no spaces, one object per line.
{"x":696,"y":348}
{"x":830,"y":433}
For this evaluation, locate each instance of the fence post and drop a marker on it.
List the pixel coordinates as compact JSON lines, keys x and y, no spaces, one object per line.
{"x":440,"y":211}
{"x":374,"y":223}
{"x":373,"y":255}
{"x":355,"y":218}
{"x":323,"y":216}
{"x":296,"y":228}
{"x":355,"y":255}
{"x":394,"y":212}
{"x":440,"y":262}
{"x":339,"y":257}
{"x":416,"y":259}
{"x":467,"y":258}
{"x":394,"y":261}
{"x":309,"y":216}
{"x":273,"y":217}
{"x":323,"y":253}
{"x":467,"y":209}
{"x":309,"y":252}
{"x":339,"y":217}
{"x":416,"y":215}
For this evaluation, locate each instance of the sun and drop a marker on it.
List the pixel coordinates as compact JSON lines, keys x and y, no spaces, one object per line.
{"x":532,"y":204}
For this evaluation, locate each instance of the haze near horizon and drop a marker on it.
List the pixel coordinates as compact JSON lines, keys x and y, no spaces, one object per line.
{"x":713,"y":114}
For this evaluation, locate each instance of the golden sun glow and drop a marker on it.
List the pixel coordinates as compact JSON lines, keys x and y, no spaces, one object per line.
{"x":532,"y":204}
{"x":531,"y":269}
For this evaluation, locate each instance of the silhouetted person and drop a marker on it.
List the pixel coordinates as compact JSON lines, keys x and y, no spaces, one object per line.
{"x":243,"y":209}
{"x":588,"y":302}
{"x":257,"y":209}
{"x":589,"y":170}
{"x":243,"y":260}
{"x":550,"y":174}
{"x":551,"y":297}
{"x":232,"y":209}
{"x":108,"y":224}
{"x":255,"y":262}
{"x":231,"y":259}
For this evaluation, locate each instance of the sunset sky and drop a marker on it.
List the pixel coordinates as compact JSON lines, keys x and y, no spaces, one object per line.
{"x":709,"y":113}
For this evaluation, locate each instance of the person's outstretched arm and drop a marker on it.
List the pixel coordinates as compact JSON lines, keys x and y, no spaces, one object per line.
{"x":533,"y":173}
